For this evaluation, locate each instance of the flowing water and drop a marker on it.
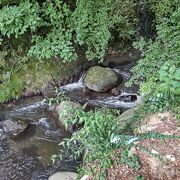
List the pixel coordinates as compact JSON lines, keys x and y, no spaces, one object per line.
{"x":26,"y":156}
{"x":29,"y":135}
{"x":128,"y":97}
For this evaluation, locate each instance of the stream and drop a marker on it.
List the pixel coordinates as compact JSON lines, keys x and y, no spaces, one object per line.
{"x":29,"y":134}
{"x":26,"y":149}
{"x":128,"y":97}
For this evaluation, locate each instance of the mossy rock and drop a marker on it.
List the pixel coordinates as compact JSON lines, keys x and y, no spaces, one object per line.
{"x":35,"y":75}
{"x":38,"y":74}
{"x":125,"y":118}
{"x":100,"y":79}
{"x":67,"y":110}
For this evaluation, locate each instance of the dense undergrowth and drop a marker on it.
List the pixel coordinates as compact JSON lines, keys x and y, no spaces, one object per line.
{"x":99,"y":141}
{"x":57,"y":28}
{"x":46,"y":30}
{"x":158,"y":71}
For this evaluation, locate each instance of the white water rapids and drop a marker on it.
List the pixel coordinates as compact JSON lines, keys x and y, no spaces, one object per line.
{"x":110,"y":100}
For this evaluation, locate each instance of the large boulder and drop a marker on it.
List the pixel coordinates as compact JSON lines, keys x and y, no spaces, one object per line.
{"x":101,"y":79}
{"x":125,"y":118}
{"x":65,"y":111}
{"x":63,"y":176}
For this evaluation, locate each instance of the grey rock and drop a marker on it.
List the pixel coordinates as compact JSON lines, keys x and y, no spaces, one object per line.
{"x":101,"y":79}
{"x":122,"y":59}
{"x":66,"y":110}
{"x":63,"y":176}
{"x":125,"y":117}
{"x":14,"y":127}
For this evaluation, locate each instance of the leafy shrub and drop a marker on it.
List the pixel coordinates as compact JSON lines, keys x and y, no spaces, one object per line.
{"x":94,"y":139}
{"x":16,"y":20}
{"x":169,"y":76}
{"x":157,"y":72}
{"x":58,"y":41}
{"x":94,"y":21}
{"x":59,"y":97}
{"x":57,"y":30}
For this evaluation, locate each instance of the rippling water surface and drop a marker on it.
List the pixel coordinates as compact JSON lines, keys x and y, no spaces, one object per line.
{"x":26,"y":156}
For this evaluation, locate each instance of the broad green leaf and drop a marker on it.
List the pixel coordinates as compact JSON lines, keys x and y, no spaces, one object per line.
{"x":163,"y":73}
{"x":177,"y":74}
{"x":175,"y":84}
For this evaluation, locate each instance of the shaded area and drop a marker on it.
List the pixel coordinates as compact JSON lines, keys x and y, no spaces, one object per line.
{"x":26,"y":154}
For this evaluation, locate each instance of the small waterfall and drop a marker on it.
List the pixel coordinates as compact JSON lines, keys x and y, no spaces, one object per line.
{"x":74,"y":86}
{"x":128,"y":97}
{"x":32,"y":107}
{"x":117,"y":101}
{"x":125,"y":74}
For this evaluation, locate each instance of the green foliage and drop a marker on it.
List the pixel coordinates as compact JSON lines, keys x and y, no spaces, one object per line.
{"x":58,"y":41}
{"x":130,"y":159}
{"x":59,"y":97}
{"x":11,"y":89}
{"x":5,"y":2}
{"x":16,"y":20}
{"x":169,"y":76}
{"x":100,"y":142}
{"x":57,"y":30}
{"x":157,"y":71}
{"x":94,"y":139}
{"x":94,"y":21}
{"x":92,"y":25}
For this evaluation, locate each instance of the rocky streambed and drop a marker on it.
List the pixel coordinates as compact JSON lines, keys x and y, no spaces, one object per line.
{"x":29,"y":137}
{"x":118,"y":96}
{"x":29,"y":132}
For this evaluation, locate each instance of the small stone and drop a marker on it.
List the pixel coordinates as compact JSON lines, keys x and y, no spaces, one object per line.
{"x":63,"y":176}
{"x":28,"y":93}
{"x":116,"y":91}
{"x":154,"y":151}
{"x":14,"y":126}
{"x":171,"y":157}
{"x":85,"y":177}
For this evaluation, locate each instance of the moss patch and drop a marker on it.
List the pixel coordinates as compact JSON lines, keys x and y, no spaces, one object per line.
{"x":37,"y":74}
{"x":34,"y":75}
